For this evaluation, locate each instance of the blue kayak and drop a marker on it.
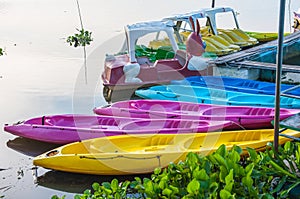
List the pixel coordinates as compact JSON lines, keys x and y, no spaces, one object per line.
{"x":237,"y":84}
{"x":197,"y":94}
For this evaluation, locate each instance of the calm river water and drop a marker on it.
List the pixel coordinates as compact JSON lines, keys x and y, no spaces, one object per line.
{"x":42,"y":75}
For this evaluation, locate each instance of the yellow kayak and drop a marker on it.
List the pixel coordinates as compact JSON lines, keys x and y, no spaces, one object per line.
{"x":245,"y":36}
{"x":264,"y":36}
{"x":236,"y":38}
{"x":214,"y":44}
{"x":137,"y":154}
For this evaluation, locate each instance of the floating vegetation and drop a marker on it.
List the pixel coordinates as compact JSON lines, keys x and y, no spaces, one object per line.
{"x":2,"y":52}
{"x":83,"y":38}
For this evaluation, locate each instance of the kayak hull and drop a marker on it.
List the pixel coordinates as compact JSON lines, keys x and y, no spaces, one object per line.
{"x":128,"y":154}
{"x":246,"y":117}
{"x":207,"y":95}
{"x":62,"y":129}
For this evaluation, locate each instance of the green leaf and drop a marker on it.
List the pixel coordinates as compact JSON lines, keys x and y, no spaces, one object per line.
{"x":221,"y":150}
{"x":149,"y":187}
{"x":266,"y":196}
{"x":174,"y":189}
{"x":167,"y":192}
{"x":96,"y":186}
{"x":201,"y":175}
{"x":87,"y":192}
{"x":106,"y":185}
{"x":124,"y":185}
{"x":229,"y":181}
{"x":77,"y":197}
{"x":83,"y":38}
{"x":223,"y":173}
{"x":213,"y":187}
{"x":146,"y":180}
{"x":298,"y":155}
{"x":53,"y":197}
{"x":224,"y":194}
{"x":221,"y":161}
{"x":249,"y":168}
{"x":288,"y":147}
{"x":285,"y":193}
{"x":252,"y":154}
{"x":138,"y":180}
{"x":157,"y":170}
{"x":162,"y":184}
{"x":234,"y":156}
{"x":192,"y":160}
{"x":281,"y":170}
{"x":114,"y":185}
{"x":204,"y":185}
{"x":238,"y":149}
{"x":193,"y":187}
{"x":247,"y":180}
{"x":206,"y":165}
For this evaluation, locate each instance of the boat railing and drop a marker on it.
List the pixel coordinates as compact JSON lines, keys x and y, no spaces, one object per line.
{"x":246,"y":54}
{"x":283,"y":93}
{"x":288,"y":136}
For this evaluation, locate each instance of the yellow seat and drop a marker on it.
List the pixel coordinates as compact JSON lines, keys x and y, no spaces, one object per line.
{"x":213,"y":48}
{"x":184,"y":35}
{"x":236,"y":39}
{"x":225,"y":42}
{"x":155,"y":44}
{"x":246,"y":37}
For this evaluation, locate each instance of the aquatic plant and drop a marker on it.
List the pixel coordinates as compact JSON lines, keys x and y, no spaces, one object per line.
{"x":83,"y":38}
{"x":2,"y":52}
{"x":56,"y":197}
{"x":224,"y":174}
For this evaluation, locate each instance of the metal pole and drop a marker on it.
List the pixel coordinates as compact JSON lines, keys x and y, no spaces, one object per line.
{"x":213,"y":4}
{"x":278,"y":72}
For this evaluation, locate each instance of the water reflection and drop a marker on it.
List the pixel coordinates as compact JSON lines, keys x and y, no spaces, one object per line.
{"x":30,"y":147}
{"x":42,"y":75}
{"x":76,"y":183}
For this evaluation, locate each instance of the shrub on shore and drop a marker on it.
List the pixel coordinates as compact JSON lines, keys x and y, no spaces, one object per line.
{"x":224,"y":174}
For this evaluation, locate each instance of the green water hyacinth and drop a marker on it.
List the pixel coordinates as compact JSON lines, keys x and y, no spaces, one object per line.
{"x":1,"y":51}
{"x":224,"y":174}
{"x":83,"y":38}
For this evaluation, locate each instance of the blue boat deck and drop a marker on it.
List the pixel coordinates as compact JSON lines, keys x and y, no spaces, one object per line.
{"x":197,"y":94}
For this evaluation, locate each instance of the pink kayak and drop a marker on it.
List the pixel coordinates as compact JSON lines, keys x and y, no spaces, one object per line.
{"x":245,"y":117}
{"x":62,"y":129}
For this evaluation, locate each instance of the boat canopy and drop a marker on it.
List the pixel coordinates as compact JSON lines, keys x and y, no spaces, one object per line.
{"x":185,"y":17}
{"x":209,"y":13}
{"x":178,"y":18}
{"x":137,"y":30}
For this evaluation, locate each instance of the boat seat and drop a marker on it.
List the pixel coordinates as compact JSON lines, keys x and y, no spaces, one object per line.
{"x":168,"y":65}
{"x":181,"y":56}
{"x":47,"y":121}
{"x":144,"y":61}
